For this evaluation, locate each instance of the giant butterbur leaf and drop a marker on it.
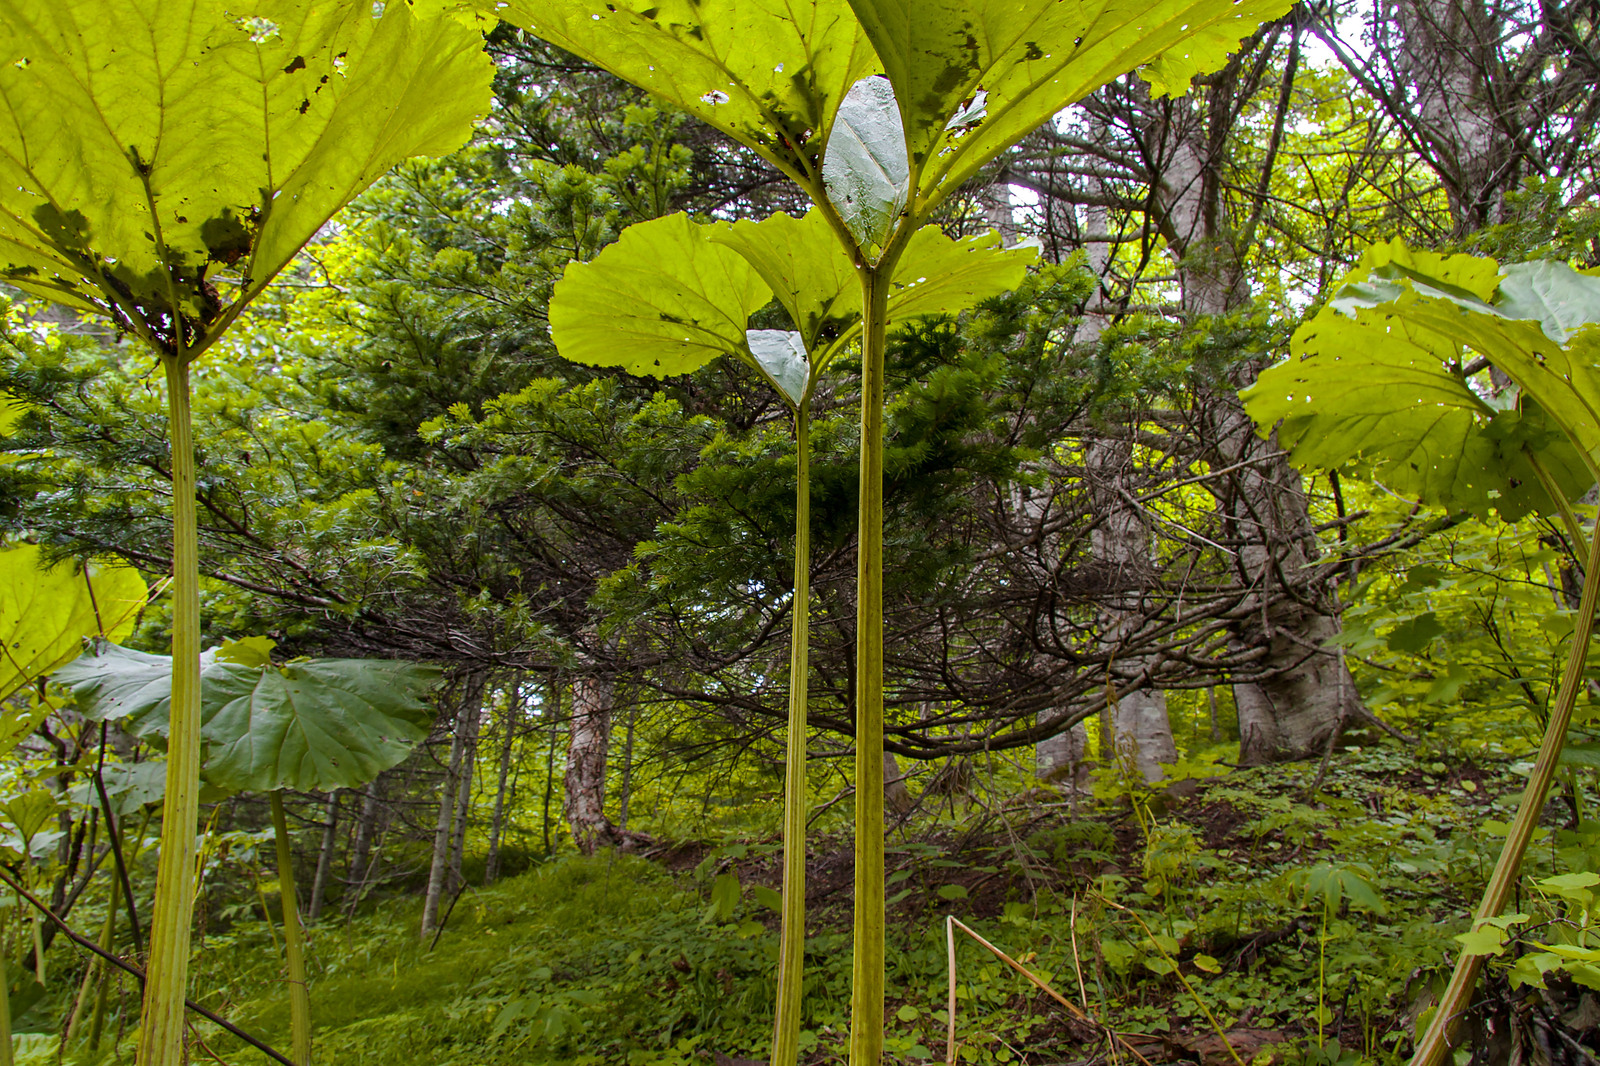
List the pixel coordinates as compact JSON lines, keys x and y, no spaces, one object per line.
{"x":1389,"y":393}
{"x":661,"y":301}
{"x":806,"y":267}
{"x":940,"y":275}
{"x":134,"y":688}
{"x":1381,"y":376}
{"x":974,"y":76}
{"x":133,"y":178}
{"x":769,"y":73}
{"x":317,"y":724}
{"x":45,"y":612}
{"x":815,"y":281}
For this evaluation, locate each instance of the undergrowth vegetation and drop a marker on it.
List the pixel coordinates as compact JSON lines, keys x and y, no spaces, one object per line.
{"x":1247,"y":909}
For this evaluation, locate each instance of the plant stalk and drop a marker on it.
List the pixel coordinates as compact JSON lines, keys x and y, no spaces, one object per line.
{"x":1436,"y":1042}
{"x":162,"y":1026}
{"x":293,"y":946}
{"x":866,"y":995}
{"x":792,"y":939}
{"x":5,"y":999}
{"x":108,"y":939}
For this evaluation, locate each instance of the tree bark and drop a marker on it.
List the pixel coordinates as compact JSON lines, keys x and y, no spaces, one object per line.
{"x":1292,"y":711}
{"x":552,"y":713}
{"x":469,"y":693}
{"x":1120,"y":550}
{"x":895,"y":793}
{"x":463,"y":812}
{"x":588,"y":741}
{"x":319,"y":881}
{"x":513,"y":717}
{"x":366,"y":829}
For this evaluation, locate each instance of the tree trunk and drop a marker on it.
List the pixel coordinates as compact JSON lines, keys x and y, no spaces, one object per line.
{"x":1441,"y":59}
{"x":469,"y":759}
{"x":319,"y":882}
{"x":1120,"y":552}
{"x":366,"y":829}
{"x":627,"y":774}
{"x":895,"y":793}
{"x":513,"y":717}
{"x":588,"y":739}
{"x":553,"y":715}
{"x":1291,"y":712}
{"x":469,"y":693}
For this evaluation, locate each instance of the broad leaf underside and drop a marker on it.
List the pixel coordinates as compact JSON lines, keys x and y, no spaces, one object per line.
{"x":671,"y":294}
{"x":190,"y":169}
{"x":769,"y":73}
{"x":1007,"y":67}
{"x":1380,"y":377}
{"x":46,"y":612}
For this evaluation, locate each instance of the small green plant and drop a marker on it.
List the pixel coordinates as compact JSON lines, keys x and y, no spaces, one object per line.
{"x":313,"y":725}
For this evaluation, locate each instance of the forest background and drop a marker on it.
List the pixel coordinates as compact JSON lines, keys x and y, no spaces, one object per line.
{"x":1124,"y":635}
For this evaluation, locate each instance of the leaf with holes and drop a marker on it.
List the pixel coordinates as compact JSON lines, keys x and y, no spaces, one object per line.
{"x":133,"y":178}
{"x":769,"y":73}
{"x":45,"y":612}
{"x":973,"y":76}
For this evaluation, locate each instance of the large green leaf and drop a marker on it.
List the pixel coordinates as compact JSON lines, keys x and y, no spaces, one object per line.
{"x":941,"y":275}
{"x":1560,"y":299}
{"x":973,"y":76}
{"x":190,"y":169}
{"x":318,"y":725}
{"x":46,"y":612}
{"x":134,"y":688}
{"x":807,"y":269}
{"x":1390,"y":393}
{"x":314,"y":725}
{"x":662,"y":300}
{"x":1380,"y":375}
{"x":769,"y":73}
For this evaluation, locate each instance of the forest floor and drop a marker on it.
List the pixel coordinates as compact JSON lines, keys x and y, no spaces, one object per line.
{"x":1245,"y":920}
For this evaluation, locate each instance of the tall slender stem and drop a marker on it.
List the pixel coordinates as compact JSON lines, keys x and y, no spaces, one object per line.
{"x":866,"y":998}
{"x":108,"y":940}
{"x":1435,"y":1044}
{"x":293,"y":947}
{"x":162,"y":1030}
{"x":792,"y":941}
{"x":5,"y":999}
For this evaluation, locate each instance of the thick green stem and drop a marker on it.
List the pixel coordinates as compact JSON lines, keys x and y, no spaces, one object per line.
{"x":792,"y":941}
{"x":162,"y":1029}
{"x":1436,"y":1042}
{"x":866,"y":997}
{"x":293,"y":945}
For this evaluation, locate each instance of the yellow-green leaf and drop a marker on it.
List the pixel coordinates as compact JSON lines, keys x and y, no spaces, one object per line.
{"x":662,"y":300}
{"x":45,"y":612}
{"x":973,"y":76}
{"x":769,"y":73}
{"x":154,"y":152}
